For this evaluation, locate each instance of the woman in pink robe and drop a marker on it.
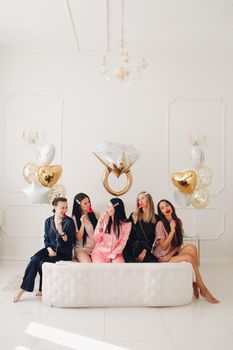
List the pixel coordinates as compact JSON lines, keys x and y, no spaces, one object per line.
{"x":111,"y":234}
{"x":169,"y":246}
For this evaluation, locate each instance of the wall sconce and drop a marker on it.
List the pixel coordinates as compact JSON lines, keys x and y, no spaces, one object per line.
{"x":30,"y":136}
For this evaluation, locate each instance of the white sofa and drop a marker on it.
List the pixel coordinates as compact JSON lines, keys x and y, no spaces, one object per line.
{"x":71,"y":284}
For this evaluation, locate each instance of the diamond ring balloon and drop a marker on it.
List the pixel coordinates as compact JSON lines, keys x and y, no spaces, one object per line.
{"x":118,"y":159}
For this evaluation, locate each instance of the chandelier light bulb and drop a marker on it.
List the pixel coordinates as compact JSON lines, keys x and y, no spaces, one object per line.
{"x":142,"y":63}
{"x":127,"y":68}
{"x":103,"y":60}
{"x":125,"y":56}
{"x":121,"y":73}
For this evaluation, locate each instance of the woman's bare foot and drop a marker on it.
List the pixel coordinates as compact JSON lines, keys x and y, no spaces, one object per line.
{"x":39,"y":294}
{"x":195,"y":290}
{"x":208,"y":296}
{"x":18,"y":295}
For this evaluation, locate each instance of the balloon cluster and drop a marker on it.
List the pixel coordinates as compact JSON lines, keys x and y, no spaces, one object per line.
{"x":192,"y":184}
{"x":43,"y":177}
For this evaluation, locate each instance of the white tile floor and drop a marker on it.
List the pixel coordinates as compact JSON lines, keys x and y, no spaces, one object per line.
{"x":30,"y":325}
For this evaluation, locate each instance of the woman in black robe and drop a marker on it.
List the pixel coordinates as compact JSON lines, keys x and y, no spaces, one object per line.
{"x":142,"y":236}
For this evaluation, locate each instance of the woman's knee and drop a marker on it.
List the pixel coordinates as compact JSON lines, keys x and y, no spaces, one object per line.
{"x":34,"y":260}
{"x":191,"y":249}
{"x":189,"y":258}
{"x":83,"y":257}
{"x":118,"y":259}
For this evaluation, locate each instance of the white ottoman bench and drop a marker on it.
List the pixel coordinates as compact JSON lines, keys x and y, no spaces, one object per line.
{"x":72,"y":284}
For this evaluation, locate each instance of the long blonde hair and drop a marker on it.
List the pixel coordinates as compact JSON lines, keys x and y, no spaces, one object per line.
{"x":150,"y":210}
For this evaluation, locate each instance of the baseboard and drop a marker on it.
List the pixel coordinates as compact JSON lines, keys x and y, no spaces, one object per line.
{"x":9,"y":258}
{"x":217,"y":260}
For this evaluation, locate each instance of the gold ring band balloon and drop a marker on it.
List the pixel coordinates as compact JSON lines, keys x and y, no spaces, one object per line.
{"x":128,"y":174}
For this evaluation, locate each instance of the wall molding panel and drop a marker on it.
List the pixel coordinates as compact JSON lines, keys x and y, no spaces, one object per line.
{"x":200,"y":117}
{"x":204,"y":118}
{"x":207,"y":223}
{"x":25,"y":221}
{"x":29,"y":113}
{"x":25,"y":113}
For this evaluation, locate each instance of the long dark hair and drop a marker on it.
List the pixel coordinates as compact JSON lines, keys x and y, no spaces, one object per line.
{"x":177,"y":239}
{"x":119,"y":216}
{"x":77,"y":213}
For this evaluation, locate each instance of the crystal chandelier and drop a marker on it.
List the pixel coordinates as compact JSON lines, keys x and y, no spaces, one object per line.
{"x":122,"y":68}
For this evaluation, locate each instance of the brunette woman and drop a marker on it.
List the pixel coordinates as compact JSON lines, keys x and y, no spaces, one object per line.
{"x":111,"y":234}
{"x":85,"y":220}
{"x":169,"y":246}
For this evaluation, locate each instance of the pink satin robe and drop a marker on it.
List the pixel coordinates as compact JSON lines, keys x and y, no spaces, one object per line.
{"x":107,"y":247}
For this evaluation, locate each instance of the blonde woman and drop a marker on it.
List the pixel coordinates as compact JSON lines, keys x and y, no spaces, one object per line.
{"x":142,"y":235}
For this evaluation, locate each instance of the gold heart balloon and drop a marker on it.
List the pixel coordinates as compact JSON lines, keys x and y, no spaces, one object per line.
{"x":49,"y":175}
{"x":185,"y":181}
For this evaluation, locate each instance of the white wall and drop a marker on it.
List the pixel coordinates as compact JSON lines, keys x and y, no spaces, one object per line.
{"x":93,"y":111}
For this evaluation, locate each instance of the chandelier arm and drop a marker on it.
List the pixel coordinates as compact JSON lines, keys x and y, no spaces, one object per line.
{"x":107,"y":27}
{"x":122,"y":24}
{"x":124,"y":72}
{"x":73,"y":25}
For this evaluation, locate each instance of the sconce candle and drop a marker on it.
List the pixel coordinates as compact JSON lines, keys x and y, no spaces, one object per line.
{"x":30,"y":136}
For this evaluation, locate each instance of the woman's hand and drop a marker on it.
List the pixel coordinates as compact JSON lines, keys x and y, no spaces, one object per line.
{"x":135,"y":216}
{"x":165,"y":258}
{"x":168,"y":257}
{"x":142,"y":255}
{"x":51,"y":252}
{"x":173,"y":225}
{"x":83,"y":218}
{"x":102,"y":219}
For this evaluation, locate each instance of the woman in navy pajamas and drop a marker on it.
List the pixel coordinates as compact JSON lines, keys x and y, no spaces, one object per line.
{"x":59,"y":239}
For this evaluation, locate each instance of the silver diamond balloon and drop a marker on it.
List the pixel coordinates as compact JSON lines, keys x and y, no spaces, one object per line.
{"x":117,"y":157}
